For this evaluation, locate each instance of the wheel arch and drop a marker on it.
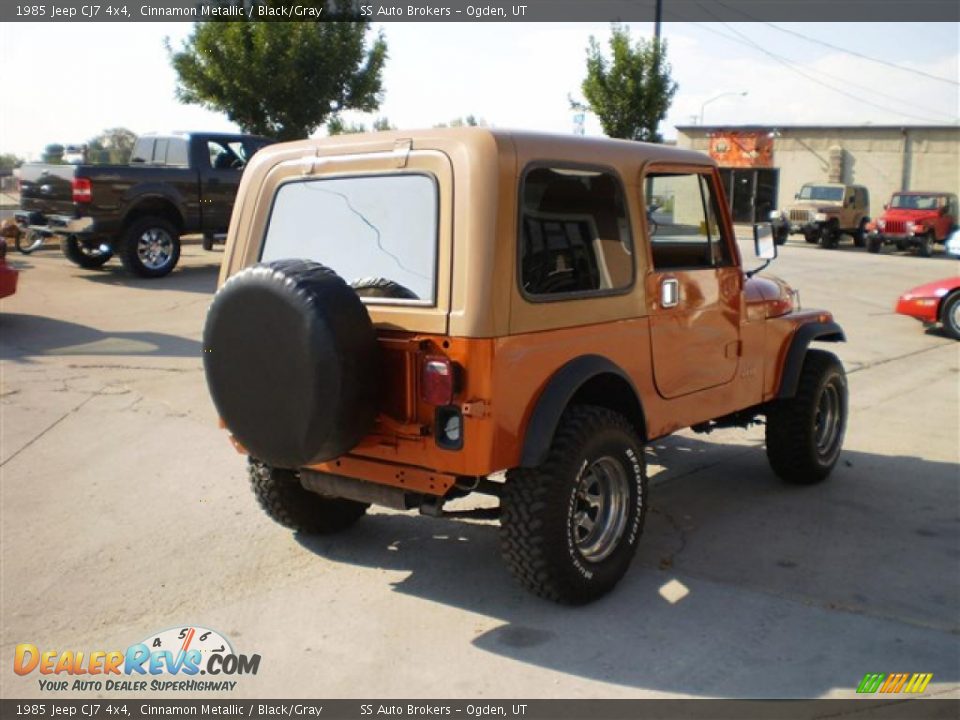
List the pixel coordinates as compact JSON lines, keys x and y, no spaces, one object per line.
{"x":588,"y":379}
{"x":155,"y":205}
{"x":799,"y":344}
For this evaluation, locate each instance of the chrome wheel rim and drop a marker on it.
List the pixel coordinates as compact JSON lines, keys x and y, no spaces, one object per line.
{"x":827,"y":421}
{"x":601,"y":506}
{"x":955,"y":316}
{"x":154,"y":248}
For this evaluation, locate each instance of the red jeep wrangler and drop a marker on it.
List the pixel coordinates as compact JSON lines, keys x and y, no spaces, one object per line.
{"x":914,"y":219}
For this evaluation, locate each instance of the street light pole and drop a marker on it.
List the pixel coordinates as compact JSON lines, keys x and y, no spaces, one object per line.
{"x":717,"y":97}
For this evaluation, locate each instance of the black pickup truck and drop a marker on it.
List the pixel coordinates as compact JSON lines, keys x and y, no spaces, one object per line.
{"x":177,"y":184}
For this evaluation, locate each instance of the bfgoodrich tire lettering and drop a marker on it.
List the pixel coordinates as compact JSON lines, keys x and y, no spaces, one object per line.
{"x":557,"y":536}
{"x":285,"y":500}
{"x":805,"y":432}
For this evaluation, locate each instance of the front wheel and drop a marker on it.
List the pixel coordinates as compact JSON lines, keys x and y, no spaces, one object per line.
{"x":805,"y":432}
{"x":950,"y":316}
{"x":151,"y":247}
{"x":570,"y":527}
{"x":288,"y":503}
{"x":925,"y":248}
{"x":83,"y":252}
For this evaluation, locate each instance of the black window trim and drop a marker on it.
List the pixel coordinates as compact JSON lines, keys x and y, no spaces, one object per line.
{"x":578,"y":294}
{"x":706,"y":172}
{"x":347,"y":176}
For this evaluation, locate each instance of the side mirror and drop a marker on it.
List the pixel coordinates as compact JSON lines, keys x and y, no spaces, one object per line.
{"x":763,"y":244}
{"x":886,"y":206}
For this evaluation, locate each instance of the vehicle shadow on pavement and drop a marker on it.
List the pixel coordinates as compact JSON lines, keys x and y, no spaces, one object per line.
{"x":25,"y":337}
{"x":743,"y":586}
{"x":188,"y":278}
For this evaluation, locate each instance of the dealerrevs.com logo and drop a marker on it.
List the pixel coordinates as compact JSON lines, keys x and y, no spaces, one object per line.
{"x":169,"y":661}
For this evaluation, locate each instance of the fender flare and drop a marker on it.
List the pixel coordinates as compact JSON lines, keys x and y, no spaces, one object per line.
{"x":805,"y":334}
{"x":134,"y":206}
{"x":556,"y":396}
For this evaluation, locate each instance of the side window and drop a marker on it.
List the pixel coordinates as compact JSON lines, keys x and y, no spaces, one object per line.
{"x":143,"y":151}
{"x":223,"y":157}
{"x":574,"y":234}
{"x":685,"y":216}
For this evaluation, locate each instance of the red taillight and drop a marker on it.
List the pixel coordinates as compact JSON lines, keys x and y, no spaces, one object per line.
{"x":82,"y":190}
{"x":437,"y":380}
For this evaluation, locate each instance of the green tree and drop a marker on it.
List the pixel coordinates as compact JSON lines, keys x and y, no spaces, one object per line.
{"x":336,"y":126}
{"x":468,"y":121}
{"x":113,"y":146}
{"x":9,"y":161}
{"x":53,"y":154}
{"x":631,"y":91}
{"x":280,"y":79}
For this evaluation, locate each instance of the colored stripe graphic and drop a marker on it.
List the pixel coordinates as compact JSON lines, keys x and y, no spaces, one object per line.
{"x":894,"y":682}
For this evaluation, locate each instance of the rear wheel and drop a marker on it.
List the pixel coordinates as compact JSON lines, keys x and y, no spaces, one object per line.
{"x":780,"y":235}
{"x":874,"y":244}
{"x":151,"y":247}
{"x":805,"y":432}
{"x":285,"y":500}
{"x":811,"y":236}
{"x":950,"y":316}
{"x":925,"y":246}
{"x":84,"y":252}
{"x":570,"y":527}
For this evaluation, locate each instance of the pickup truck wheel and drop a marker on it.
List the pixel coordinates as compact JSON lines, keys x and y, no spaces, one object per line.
{"x":925,"y":248}
{"x":874,"y":244}
{"x":285,"y":500}
{"x":28,"y":241}
{"x":83,"y":252}
{"x":950,"y":315}
{"x":860,"y":234}
{"x":151,"y":247}
{"x":805,"y":432}
{"x":570,"y":527}
{"x":292,"y":362}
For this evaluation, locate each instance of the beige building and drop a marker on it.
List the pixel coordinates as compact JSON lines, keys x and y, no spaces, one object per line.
{"x":763,"y":167}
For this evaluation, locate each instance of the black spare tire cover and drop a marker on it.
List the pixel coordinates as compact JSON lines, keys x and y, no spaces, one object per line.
{"x":292,"y":362}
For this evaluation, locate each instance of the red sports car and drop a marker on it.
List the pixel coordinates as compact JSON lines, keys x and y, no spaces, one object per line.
{"x":934,"y":302}
{"x":8,"y":276}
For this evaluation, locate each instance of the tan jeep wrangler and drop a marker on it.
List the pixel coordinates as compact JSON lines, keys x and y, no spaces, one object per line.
{"x":823,"y":212}
{"x":403,"y":316}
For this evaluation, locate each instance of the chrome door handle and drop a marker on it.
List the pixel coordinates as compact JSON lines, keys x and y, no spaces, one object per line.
{"x":669,"y":293}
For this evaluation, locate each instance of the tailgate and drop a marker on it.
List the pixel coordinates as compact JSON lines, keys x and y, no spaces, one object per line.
{"x":47,"y":189}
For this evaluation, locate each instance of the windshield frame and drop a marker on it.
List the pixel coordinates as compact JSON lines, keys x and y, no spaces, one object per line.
{"x":434,"y":299}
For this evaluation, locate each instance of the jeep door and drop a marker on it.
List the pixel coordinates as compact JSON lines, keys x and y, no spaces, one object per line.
{"x":693,"y":284}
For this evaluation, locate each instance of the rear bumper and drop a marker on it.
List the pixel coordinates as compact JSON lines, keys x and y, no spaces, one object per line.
{"x":55,"y":224}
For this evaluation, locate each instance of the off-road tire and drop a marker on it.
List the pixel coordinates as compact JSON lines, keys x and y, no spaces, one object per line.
{"x":780,"y":235}
{"x":830,"y":237}
{"x":950,"y":315}
{"x":925,"y":246}
{"x":860,"y":234}
{"x":140,"y":230}
{"x":382,"y":288}
{"x":874,"y":244}
{"x":812,"y":236}
{"x":73,"y":250}
{"x":208,"y":242}
{"x":793,"y":423}
{"x":539,"y":507}
{"x":285,"y":500}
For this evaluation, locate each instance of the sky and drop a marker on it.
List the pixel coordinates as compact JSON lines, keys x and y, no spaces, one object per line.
{"x":67,"y":82}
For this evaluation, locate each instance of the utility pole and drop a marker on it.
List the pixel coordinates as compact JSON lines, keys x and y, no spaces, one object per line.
{"x":658,"y":17}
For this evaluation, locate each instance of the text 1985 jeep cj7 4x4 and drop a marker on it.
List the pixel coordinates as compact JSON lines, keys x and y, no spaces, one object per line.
{"x":403,"y":315}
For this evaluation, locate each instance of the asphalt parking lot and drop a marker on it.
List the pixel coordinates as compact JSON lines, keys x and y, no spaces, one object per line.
{"x":125,"y":511}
